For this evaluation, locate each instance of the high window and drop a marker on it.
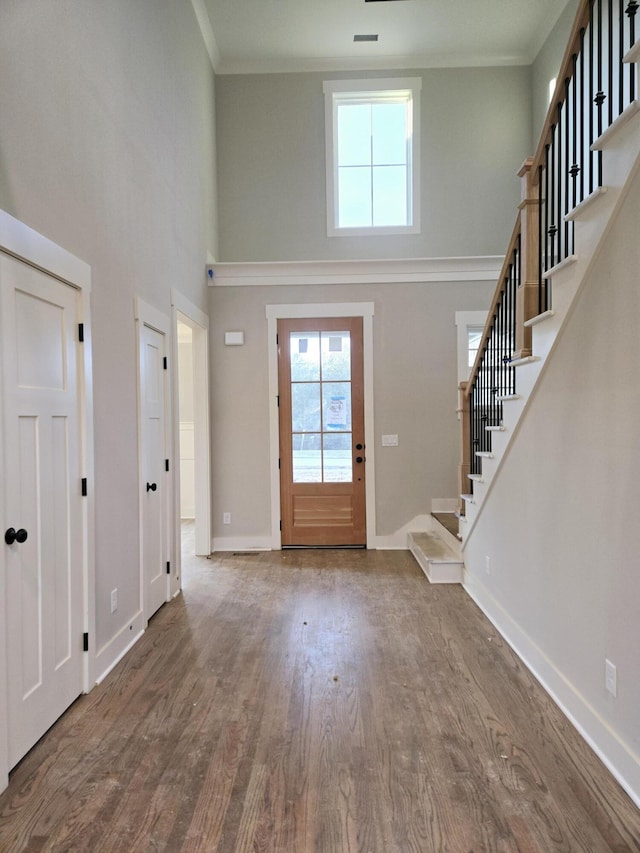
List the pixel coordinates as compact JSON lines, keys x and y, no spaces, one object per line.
{"x":373,"y":169}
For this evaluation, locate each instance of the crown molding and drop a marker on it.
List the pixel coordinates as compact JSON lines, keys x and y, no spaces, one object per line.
{"x":403,"y":271}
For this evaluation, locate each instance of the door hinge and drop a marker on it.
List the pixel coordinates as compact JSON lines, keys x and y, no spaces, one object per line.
{"x":165,"y":363}
{"x":277,"y":340}
{"x":84,"y":487}
{"x":166,"y":464}
{"x":278,"y":399}
{"x":85,"y":641}
{"x":280,"y":524}
{"x":168,"y":568}
{"x":278,"y":464}
{"x":81,"y":332}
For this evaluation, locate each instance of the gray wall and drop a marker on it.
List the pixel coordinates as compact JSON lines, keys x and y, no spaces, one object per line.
{"x":414,"y":387}
{"x":107,"y":147}
{"x":546,"y":66}
{"x":476,"y":132}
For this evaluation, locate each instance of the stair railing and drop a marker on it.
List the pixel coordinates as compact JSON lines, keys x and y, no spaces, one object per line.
{"x":594,"y":87}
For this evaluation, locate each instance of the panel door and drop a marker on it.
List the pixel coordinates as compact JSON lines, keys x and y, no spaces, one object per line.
{"x":43,"y":527}
{"x":154,"y":476}
{"x":322,"y":459}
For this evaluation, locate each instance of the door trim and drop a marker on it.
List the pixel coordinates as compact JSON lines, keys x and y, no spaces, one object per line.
{"x":366,"y":310}
{"x":27,"y":245}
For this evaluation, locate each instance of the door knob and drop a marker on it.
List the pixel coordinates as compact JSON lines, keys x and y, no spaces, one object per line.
{"x":12,"y":535}
{"x":151,"y":487}
{"x":359,"y":459}
{"x":358,"y":447}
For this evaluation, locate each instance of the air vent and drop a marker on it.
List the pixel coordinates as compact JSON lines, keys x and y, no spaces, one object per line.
{"x":366,"y":37}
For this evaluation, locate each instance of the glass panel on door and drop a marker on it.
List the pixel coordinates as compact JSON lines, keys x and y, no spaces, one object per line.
{"x":321,"y":427}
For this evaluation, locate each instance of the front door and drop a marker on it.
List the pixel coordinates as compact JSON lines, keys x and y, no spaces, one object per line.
{"x":154,"y":483}
{"x":322,"y":458}
{"x":43,"y":528}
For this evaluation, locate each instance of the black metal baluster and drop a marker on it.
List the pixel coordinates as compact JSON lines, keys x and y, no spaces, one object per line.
{"x":582,"y":157}
{"x":632,"y":9}
{"x":591,"y":95}
{"x":600,"y":95}
{"x":565,"y":171}
{"x":621,"y":52}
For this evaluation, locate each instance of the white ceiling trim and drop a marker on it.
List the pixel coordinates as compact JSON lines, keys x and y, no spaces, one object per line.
{"x":208,"y":36}
{"x":418,"y":270}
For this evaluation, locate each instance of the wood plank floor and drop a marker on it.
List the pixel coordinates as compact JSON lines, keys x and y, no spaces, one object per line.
{"x":316,"y":702}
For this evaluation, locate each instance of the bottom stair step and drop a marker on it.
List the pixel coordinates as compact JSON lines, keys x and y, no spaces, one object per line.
{"x":437,"y":559}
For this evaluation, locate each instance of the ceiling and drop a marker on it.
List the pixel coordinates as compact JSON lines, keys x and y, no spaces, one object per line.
{"x":260,"y":36}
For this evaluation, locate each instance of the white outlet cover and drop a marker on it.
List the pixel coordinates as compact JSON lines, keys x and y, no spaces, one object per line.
{"x":389,"y":440}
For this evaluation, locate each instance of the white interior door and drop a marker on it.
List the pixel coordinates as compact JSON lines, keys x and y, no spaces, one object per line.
{"x":43,"y":527}
{"x":154,"y":481}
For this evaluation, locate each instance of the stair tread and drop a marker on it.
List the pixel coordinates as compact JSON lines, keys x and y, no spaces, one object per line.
{"x":435,"y":548}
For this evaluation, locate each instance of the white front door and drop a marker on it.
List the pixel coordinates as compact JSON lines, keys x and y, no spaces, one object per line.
{"x":155,"y":480}
{"x":43,"y":525}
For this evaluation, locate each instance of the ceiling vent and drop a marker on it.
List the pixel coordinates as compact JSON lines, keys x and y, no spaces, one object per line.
{"x":366,"y":37}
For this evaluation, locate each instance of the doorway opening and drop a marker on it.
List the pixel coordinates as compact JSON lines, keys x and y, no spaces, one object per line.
{"x":193,"y":476}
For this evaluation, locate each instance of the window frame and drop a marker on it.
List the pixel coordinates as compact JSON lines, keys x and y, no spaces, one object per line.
{"x":363,"y":90}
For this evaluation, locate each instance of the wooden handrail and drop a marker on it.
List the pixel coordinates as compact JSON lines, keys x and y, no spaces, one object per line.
{"x":566,"y":71}
{"x":513,"y":242}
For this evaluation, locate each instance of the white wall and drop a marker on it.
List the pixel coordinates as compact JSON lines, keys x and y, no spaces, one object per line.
{"x":107,"y":147}
{"x":560,"y":523}
{"x":414,"y":339}
{"x":476,"y":132}
{"x":186,"y":416}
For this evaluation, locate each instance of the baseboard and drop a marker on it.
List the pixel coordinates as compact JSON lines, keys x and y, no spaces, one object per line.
{"x":110,"y":655}
{"x":617,"y":756}
{"x":240,"y":543}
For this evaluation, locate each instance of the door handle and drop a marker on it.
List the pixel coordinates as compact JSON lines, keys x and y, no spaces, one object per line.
{"x":151,"y":487}
{"x":359,"y":459}
{"x":12,"y":535}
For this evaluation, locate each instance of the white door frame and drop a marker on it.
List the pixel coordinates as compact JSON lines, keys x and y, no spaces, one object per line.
{"x":185,"y":311}
{"x":27,"y":245}
{"x":148,"y":315}
{"x":365,"y":310}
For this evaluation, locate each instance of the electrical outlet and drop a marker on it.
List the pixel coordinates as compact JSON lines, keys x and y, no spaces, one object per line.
{"x":114,"y":600}
{"x":226,"y":518}
{"x":487,"y":565}
{"x":610,"y":677}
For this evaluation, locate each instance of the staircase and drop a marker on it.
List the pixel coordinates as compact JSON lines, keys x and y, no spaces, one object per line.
{"x":620,"y":145}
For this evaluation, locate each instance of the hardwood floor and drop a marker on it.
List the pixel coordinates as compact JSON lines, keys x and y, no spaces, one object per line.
{"x":316,"y":702}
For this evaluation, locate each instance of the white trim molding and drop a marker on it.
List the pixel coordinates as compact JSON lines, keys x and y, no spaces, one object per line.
{"x":398,"y":271}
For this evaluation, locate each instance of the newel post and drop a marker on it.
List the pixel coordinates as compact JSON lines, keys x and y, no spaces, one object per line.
{"x":465,"y":437}
{"x":527,"y":297}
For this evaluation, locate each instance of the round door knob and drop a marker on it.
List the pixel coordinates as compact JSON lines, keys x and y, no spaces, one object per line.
{"x":359,"y":459}
{"x":151,"y":487}
{"x":12,"y":535}
{"x":358,"y":447}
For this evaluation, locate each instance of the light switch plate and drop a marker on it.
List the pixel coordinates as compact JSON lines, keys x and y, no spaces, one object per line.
{"x":389,"y":440}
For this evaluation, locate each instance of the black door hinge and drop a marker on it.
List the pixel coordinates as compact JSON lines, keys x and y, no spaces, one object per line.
{"x":278,"y":399}
{"x":278,"y":464}
{"x":81,"y":332}
{"x":165,"y":363}
{"x":280,"y":524}
{"x":84,"y":487}
{"x":85,"y":641}
{"x":168,"y":568}
{"x":277,"y":340}
{"x":166,"y":464}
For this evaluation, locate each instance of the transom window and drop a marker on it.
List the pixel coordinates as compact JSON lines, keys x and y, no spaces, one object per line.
{"x":372,"y":129}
